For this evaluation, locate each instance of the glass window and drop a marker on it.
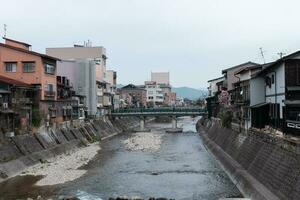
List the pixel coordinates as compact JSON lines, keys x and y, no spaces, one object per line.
{"x":28,"y":67}
{"x":49,"y":69}
{"x":11,"y":66}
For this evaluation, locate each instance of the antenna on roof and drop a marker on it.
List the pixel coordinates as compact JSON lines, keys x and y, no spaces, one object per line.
{"x":262,"y":54}
{"x":281,"y":54}
{"x":5,"y":29}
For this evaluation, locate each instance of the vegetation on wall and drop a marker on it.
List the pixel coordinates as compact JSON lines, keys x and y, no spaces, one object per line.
{"x":226,"y":118}
{"x":36,"y":117}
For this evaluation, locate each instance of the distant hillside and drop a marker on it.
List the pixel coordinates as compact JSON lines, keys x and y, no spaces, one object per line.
{"x":120,"y":85}
{"x":190,"y":93}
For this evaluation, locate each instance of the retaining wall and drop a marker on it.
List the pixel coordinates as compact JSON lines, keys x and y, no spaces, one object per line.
{"x":262,"y":166}
{"x":19,"y":152}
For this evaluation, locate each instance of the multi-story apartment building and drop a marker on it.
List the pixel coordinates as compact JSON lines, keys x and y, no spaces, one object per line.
{"x":98,"y":91}
{"x":155,"y":95}
{"x":19,"y":62}
{"x":163,"y":80}
{"x":161,"y":77}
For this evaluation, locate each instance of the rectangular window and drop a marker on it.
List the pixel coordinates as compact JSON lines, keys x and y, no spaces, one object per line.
{"x":49,"y":87}
{"x":49,"y":69}
{"x":28,"y":67}
{"x":273,"y":78}
{"x":10,"y":66}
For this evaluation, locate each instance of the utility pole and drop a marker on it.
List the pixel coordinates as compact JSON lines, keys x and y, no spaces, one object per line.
{"x":5,"y":29}
{"x":262,"y":54}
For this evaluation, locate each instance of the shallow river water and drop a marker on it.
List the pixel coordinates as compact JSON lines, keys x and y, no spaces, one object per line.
{"x":181,"y":168}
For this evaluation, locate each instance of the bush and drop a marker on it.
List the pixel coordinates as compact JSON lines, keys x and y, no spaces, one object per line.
{"x":226,"y":118}
{"x":36,"y":117}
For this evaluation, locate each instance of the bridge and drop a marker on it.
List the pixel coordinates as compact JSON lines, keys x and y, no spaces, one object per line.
{"x":172,"y":112}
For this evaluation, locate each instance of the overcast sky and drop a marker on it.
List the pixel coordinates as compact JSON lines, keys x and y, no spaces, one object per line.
{"x":192,"y":39}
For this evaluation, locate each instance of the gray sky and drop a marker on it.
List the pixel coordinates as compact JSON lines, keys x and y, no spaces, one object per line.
{"x":193,"y":39}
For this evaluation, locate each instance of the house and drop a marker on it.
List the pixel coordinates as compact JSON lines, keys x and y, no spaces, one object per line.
{"x":133,"y":96}
{"x":276,"y":101}
{"x":17,"y":100}
{"x":231,"y":82}
{"x":212,"y":101}
{"x":241,"y":93}
{"x":19,"y":62}
{"x":230,"y":77}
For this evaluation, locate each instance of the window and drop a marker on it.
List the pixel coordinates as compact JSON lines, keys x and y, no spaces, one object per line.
{"x":49,"y":69}
{"x":49,"y":87}
{"x":11,"y":66}
{"x":273,"y":78}
{"x":28,"y":67}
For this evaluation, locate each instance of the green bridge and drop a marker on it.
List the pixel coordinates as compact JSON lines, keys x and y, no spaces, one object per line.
{"x":167,"y":111}
{"x":156,"y":112}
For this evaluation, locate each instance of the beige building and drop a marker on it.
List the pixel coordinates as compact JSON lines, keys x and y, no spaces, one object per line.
{"x":104,"y":90}
{"x":161,"y":77}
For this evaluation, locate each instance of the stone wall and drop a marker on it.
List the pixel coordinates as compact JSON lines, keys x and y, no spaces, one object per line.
{"x":262,"y":166}
{"x":21,"y":151}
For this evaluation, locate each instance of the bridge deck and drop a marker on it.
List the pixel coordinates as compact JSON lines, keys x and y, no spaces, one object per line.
{"x":159,"y":112}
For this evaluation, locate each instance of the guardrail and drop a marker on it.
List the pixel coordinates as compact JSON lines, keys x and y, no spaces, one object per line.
{"x":158,"y":110}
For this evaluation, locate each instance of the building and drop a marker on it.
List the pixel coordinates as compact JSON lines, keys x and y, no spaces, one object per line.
{"x":133,"y":96}
{"x":111,"y":78}
{"x":163,"y":80}
{"x":275,"y":100}
{"x":241,"y":94}
{"x":155,"y":95}
{"x":19,"y":62}
{"x":212,"y":101}
{"x":161,"y":77}
{"x":17,"y":100}
{"x":229,"y":74}
{"x":101,"y":92}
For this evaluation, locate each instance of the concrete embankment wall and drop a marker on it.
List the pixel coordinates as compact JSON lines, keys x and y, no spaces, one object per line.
{"x":19,"y":152}
{"x":262,"y":166}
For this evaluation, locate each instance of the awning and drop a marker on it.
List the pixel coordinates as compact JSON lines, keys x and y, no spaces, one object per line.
{"x":4,"y":91}
{"x":293,"y":88}
{"x":292,"y":102}
{"x":259,"y":105}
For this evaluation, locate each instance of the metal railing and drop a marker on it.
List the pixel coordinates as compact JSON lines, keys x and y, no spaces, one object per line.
{"x":159,"y":110}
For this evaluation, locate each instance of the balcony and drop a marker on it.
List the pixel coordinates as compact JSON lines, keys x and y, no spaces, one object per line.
{"x":49,"y":93}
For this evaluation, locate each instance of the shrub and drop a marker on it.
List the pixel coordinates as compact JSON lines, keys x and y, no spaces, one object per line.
{"x":226,"y":118}
{"x":36,"y":117}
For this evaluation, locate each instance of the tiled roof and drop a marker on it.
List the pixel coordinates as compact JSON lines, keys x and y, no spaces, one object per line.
{"x":13,"y":81}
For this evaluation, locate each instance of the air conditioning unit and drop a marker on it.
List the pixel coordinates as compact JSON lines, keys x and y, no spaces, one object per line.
{"x":5,"y":105}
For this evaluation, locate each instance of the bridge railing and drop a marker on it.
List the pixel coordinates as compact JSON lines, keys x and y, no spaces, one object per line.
{"x":158,"y":110}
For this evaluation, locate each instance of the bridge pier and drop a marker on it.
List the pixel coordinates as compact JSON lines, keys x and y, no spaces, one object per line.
{"x":174,"y":128}
{"x":142,"y":125}
{"x":174,"y":123}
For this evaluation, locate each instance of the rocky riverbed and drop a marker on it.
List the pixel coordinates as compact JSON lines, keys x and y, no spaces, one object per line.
{"x":143,"y":141}
{"x":63,"y":168}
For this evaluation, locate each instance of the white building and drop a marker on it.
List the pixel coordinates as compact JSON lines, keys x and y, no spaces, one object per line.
{"x":214,"y":87}
{"x":155,"y":94}
{"x":102,"y":88}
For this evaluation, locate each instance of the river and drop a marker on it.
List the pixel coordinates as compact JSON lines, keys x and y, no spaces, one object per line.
{"x":181,"y":168}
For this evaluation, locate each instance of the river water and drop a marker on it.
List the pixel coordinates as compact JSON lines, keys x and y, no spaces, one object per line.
{"x":181,"y":168}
